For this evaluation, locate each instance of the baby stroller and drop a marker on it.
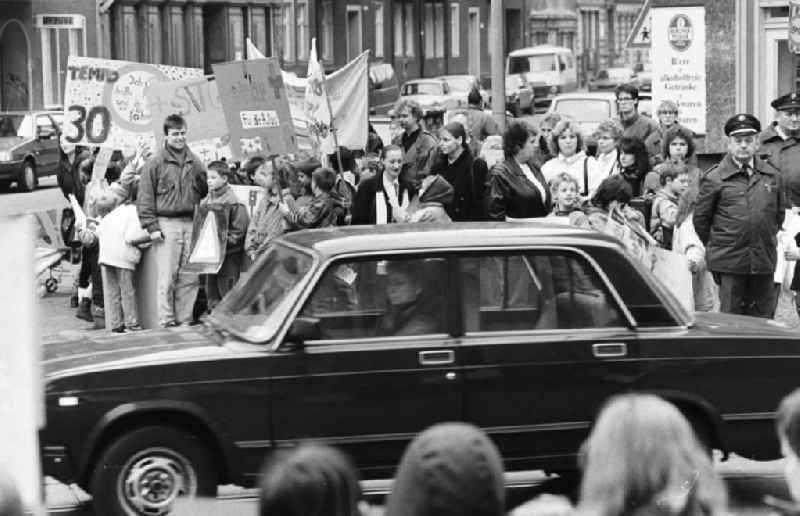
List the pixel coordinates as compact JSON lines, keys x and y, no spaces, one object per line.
{"x":52,"y":247}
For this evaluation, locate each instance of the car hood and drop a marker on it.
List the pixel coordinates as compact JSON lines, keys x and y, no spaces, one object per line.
{"x":9,"y":142}
{"x":87,"y":355}
{"x":740,"y":325}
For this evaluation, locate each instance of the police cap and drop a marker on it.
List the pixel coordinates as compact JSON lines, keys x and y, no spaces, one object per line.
{"x":742,"y":124}
{"x":786,"y":102}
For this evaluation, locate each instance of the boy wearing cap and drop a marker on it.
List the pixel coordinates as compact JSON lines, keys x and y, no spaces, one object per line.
{"x":740,"y":207}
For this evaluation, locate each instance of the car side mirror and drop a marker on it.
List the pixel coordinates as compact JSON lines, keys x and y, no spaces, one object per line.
{"x":45,"y":133}
{"x":303,"y":329}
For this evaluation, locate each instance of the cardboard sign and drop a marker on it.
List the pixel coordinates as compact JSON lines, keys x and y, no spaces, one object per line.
{"x":197,"y":101}
{"x":105,"y":103}
{"x":256,"y":108}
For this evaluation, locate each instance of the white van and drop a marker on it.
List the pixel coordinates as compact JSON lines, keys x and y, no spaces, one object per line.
{"x":548,"y":69}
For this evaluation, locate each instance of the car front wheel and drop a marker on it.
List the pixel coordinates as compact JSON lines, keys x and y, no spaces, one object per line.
{"x":145,"y":471}
{"x":27,"y":178}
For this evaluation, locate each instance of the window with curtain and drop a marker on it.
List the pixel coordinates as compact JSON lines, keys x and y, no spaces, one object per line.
{"x":409,"y":30}
{"x":303,"y":39}
{"x":58,"y":43}
{"x":438,"y":24}
{"x":288,"y":32}
{"x":429,"y":29}
{"x":326,"y":18}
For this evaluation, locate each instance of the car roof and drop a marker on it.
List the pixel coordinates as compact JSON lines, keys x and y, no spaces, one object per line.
{"x":334,"y":241}
{"x":540,"y":49}
{"x":587,"y":95}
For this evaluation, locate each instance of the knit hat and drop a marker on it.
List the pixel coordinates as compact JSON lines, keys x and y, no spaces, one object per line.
{"x":439,"y":190}
{"x":449,"y":469}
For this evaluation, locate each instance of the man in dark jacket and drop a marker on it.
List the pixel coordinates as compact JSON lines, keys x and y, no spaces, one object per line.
{"x":417,"y":143}
{"x":634,"y":124}
{"x":740,"y":207}
{"x":172,"y":184}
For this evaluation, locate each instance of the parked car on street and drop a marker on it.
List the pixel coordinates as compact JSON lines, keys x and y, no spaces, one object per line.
{"x":591,"y":108}
{"x":430,"y":94}
{"x":519,"y":95}
{"x":610,"y":78}
{"x":29,"y":147}
{"x":461,"y":85}
{"x":362,"y":336}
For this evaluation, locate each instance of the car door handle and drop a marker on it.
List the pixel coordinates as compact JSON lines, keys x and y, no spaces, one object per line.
{"x":438,"y":357}
{"x":610,"y":349}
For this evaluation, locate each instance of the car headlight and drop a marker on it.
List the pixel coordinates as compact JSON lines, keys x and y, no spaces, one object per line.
{"x":5,"y":156}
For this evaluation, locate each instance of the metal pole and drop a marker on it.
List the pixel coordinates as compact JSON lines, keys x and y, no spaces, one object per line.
{"x":498,"y":72}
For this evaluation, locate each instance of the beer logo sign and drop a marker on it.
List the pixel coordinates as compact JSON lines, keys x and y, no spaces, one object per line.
{"x":680,"y":32}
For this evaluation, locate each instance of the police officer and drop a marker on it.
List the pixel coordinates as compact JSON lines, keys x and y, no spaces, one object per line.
{"x":738,"y":213}
{"x":780,"y":142}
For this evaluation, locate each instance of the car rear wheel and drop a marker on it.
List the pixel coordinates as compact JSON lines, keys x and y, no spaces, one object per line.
{"x":145,"y":471}
{"x":27,"y":178}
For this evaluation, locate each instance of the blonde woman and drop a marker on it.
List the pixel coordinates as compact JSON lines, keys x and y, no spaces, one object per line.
{"x":567,"y":144}
{"x":642,"y":457}
{"x":607,"y":136}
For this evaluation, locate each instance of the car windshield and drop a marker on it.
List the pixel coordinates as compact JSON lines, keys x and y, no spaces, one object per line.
{"x":584,"y":110}
{"x":422,"y":88}
{"x":16,"y":125}
{"x":460,"y":83}
{"x":539,"y":63}
{"x":258,"y":304}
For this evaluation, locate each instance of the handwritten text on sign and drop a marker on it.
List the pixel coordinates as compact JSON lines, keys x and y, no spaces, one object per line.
{"x":256,"y":108}
{"x":105,"y":101}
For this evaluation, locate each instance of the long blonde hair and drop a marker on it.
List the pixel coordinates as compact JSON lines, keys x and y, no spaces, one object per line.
{"x":642,"y":455}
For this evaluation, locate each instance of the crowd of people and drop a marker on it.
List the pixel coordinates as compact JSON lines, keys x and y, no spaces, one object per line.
{"x":632,"y":170}
{"x":642,"y":457}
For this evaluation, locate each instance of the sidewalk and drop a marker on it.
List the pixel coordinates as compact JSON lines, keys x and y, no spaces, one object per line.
{"x":57,"y":319}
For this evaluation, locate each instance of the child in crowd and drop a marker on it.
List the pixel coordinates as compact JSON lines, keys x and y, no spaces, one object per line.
{"x":119,"y":235}
{"x":318,"y":213}
{"x":302,"y":189}
{"x":686,"y":242}
{"x":267,"y":222}
{"x":674,"y":181}
{"x":564,"y":190}
{"x":221,"y":196}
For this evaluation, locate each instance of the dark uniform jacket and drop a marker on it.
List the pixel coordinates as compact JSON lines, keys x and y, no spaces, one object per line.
{"x":737,"y":217}
{"x":785,"y":156}
{"x":510,"y":194}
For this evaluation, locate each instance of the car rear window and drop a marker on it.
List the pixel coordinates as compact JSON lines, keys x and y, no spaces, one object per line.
{"x":646,"y":306}
{"x":585,"y":110}
{"x":538,"y":63}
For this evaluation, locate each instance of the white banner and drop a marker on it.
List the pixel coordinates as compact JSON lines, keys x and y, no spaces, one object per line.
{"x":316,"y":106}
{"x":679,"y":62}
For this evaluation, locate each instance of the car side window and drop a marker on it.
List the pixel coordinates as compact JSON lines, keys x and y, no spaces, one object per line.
{"x":380,"y":298}
{"x":533,"y":291}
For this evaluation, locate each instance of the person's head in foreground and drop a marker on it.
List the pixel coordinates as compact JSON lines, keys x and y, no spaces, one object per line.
{"x":642,"y":457}
{"x":450,"y":469}
{"x":787,"y":423}
{"x":311,"y":480}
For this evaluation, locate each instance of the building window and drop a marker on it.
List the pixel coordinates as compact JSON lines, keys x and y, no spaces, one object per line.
{"x":434,"y":30}
{"x":327,"y":31}
{"x":398,"y":30}
{"x":302,"y":31}
{"x":455,"y":27}
{"x":540,"y":37}
{"x":62,"y":35}
{"x":288,"y":32}
{"x":428,"y":16}
{"x":565,"y":39}
{"x":378,"y":46}
{"x":355,"y":30}
{"x":409,"y":30}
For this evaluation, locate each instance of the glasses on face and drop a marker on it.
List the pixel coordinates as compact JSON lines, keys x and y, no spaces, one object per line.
{"x":668,"y":113}
{"x":625,"y":99}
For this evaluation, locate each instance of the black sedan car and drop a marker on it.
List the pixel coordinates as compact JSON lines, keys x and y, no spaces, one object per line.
{"x":360,"y":337}
{"x":28,"y":146}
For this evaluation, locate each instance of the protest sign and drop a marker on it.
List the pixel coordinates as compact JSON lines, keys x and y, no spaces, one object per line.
{"x":249,"y":196}
{"x":317,"y":106}
{"x":256,"y":108}
{"x":197,"y":101}
{"x":105,"y":104}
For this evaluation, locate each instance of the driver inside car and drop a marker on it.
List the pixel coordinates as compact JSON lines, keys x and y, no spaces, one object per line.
{"x":413,"y":308}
